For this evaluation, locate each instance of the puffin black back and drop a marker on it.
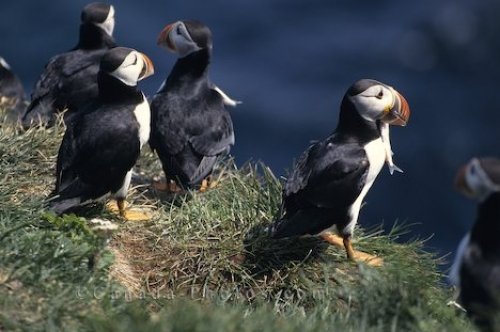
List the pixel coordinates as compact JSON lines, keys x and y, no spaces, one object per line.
{"x":69,"y":80}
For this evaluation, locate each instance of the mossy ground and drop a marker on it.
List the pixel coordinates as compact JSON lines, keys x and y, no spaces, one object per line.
{"x":203,"y":263}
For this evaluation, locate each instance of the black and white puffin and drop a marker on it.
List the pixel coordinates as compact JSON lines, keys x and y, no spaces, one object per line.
{"x":325,"y":190}
{"x":12,"y":96}
{"x":100,"y":148}
{"x":191,"y":126}
{"x":69,"y":80}
{"x":476,"y":269}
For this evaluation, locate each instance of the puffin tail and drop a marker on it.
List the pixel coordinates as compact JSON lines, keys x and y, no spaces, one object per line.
{"x":272,"y":230}
{"x":72,"y":196}
{"x":277,"y":229}
{"x":38,"y":113}
{"x":203,"y":170}
{"x":59,"y":206}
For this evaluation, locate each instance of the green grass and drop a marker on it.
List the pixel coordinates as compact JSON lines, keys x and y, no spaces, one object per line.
{"x":203,"y":263}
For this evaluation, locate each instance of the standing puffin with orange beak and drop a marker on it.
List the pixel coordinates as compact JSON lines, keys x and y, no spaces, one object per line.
{"x":100,"y":148}
{"x":191,"y":126}
{"x":476,"y":269}
{"x":326,"y":188}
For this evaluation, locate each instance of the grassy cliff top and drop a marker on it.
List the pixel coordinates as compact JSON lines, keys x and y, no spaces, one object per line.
{"x":203,"y":263}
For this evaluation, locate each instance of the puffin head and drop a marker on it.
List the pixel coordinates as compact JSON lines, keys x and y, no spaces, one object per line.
{"x":127,"y":65}
{"x":479,"y":178}
{"x":377,"y":101}
{"x":101,"y":15}
{"x":185,"y":37}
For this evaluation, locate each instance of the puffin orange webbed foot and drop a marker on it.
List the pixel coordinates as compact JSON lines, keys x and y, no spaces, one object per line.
{"x":204,"y":186}
{"x":167,"y":186}
{"x":354,"y":255}
{"x":119,"y":207}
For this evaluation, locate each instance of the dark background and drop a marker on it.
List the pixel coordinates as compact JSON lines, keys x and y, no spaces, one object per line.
{"x":291,"y":61}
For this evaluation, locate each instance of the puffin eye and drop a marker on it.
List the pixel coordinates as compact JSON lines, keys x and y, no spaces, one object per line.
{"x":473,"y":170}
{"x":179,"y":31}
{"x":380,"y":95}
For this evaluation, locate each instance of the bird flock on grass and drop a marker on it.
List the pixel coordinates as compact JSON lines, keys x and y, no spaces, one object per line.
{"x":188,"y":125}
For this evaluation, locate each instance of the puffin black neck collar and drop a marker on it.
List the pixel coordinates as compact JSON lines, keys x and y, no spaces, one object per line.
{"x":194,"y":66}
{"x":486,"y":229}
{"x":112,"y":89}
{"x":352,"y":125}
{"x":93,"y":37}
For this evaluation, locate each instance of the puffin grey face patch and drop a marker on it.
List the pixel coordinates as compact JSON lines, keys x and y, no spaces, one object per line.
{"x":180,"y":37}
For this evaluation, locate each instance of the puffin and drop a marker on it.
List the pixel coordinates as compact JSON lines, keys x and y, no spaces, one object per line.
{"x":103,"y":143}
{"x":69,"y":80}
{"x":324,"y":191}
{"x":12,"y":95}
{"x":476,"y":270}
{"x":191,"y":126}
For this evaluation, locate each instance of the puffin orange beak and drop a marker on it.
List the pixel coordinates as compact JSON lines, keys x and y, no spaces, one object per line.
{"x":460,"y":182}
{"x":164,"y":38}
{"x":399,"y":113}
{"x":148,"y":68}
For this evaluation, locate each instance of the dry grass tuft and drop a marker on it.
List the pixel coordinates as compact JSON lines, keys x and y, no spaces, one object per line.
{"x":124,"y":272}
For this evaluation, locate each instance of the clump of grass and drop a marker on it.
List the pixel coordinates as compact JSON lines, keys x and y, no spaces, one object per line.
{"x":204,"y":262}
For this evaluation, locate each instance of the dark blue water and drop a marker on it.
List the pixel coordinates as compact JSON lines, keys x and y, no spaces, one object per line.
{"x":291,"y":61}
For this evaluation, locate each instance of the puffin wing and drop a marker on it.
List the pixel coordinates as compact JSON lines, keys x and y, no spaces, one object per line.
{"x":213,"y":136}
{"x":79,"y":60}
{"x":216,"y":141}
{"x":65,"y":171}
{"x":62,"y":66}
{"x":168,"y":131}
{"x":212,"y":130}
{"x":326,"y":176}
{"x":49,"y":78}
{"x":105,"y":146}
{"x":99,"y":156}
{"x":65,"y":166}
{"x":53,"y":81}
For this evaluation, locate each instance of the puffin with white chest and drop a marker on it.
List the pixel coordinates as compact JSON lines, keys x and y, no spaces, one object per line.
{"x":69,"y":80}
{"x":476,"y":269}
{"x":99,"y":150}
{"x":326,"y":188}
{"x":191,"y":126}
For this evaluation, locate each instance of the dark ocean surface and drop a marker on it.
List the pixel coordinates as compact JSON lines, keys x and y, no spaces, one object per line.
{"x":290,"y":62}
